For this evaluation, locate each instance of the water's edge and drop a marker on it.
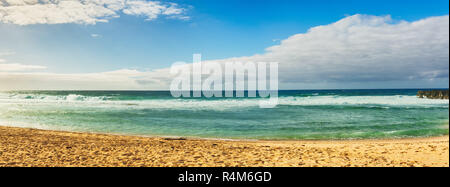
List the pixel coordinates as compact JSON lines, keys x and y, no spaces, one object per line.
{"x":228,"y":139}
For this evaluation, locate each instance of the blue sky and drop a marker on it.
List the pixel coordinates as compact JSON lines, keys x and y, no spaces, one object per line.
{"x":218,"y":29}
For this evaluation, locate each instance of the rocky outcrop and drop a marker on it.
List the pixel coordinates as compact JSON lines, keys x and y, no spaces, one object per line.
{"x":433,"y":94}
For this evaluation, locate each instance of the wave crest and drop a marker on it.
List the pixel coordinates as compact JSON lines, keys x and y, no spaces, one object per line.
{"x":224,"y":103}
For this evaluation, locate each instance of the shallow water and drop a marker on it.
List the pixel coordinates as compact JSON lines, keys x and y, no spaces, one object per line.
{"x":302,"y":114}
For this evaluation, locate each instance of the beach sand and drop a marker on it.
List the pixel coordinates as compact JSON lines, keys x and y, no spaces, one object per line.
{"x":31,"y":147}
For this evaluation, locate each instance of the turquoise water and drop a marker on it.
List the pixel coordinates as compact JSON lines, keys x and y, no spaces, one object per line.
{"x":312,"y":114}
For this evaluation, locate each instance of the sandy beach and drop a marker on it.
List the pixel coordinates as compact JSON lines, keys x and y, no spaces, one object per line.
{"x":31,"y":147}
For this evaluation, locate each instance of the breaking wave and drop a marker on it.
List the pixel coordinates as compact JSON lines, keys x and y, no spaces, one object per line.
{"x":223,"y":103}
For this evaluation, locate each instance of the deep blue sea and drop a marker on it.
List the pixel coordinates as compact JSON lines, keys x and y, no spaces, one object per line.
{"x":301,"y":114}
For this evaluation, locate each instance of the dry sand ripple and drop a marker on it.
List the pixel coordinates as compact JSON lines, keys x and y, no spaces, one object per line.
{"x":31,"y":147}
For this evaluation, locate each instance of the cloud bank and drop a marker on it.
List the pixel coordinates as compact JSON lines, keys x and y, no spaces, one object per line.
{"x":116,"y":80}
{"x":16,"y":67}
{"x":356,"y":49}
{"x":363,"y":48}
{"x":26,"y":12}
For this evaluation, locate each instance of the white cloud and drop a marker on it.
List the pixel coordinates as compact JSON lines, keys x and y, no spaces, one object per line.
{"x":16,"y":67}
{"x":356,"y":50}
{"x":152,"y":9}
{"x":19,"y":67}
{"x":2,"y":60}
{"x":26,"y":12}
{"x":96,"y":35}
{"x":118,"y":80}
{"x":363,"y":48}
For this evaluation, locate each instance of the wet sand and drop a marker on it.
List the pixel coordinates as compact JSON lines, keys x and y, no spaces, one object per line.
{"x":31,"y":147}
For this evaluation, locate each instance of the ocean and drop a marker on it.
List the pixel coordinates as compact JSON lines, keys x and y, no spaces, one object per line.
{"x":300,"y":114}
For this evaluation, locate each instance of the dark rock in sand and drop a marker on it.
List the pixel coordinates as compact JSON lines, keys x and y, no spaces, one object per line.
{"x":433,"y":94}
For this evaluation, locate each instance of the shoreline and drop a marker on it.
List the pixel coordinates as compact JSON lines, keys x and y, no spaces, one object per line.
{"x":235,"y":140}
{"x":34,"y":147}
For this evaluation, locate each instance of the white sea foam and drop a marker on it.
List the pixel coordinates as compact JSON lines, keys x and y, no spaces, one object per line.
{"x":219,"y":104}
{"x":49,"y":98}
{"x":398,"y":100}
